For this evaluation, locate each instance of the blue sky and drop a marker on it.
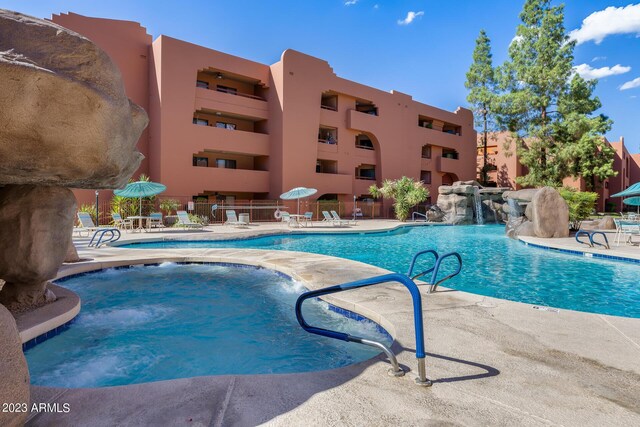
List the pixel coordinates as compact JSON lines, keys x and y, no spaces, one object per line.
{"x":372,"y":42}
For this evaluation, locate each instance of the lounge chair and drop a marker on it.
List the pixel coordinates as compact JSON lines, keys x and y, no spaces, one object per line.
{"x":327,"y":217}
{"x":232,"y":219}
{"x":185,"y":221}
{"x":86,"y":224}
{"x":628,"y":229}
{"x":121,"y":223}
{"x":155,"y":220}
{"x":338,"y":220}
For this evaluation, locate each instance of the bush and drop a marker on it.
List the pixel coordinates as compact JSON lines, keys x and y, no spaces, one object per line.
{"x":581,"y":204}
{"x":405,"y":192}
{"x":169,"y":205}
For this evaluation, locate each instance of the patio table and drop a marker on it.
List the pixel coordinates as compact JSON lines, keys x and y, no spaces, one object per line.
{"x":140,"y":219}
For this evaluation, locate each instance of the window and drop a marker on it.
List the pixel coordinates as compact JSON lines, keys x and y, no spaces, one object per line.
{"x":226,"y":89}
{"x":364,"y":142}
{"x":226,"y":163}
{"x":425,"y":177}
{"x":201,"y":161}
{"x":201,"y":122}
{"x":202,"y":84}
{"x":224,"y":125}
{"x":426,"y":152}
{"x":606,"y":184}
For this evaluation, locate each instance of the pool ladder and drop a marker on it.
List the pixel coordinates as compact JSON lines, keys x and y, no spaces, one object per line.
{"x":408,"y":281}
{"x":114,"y":236}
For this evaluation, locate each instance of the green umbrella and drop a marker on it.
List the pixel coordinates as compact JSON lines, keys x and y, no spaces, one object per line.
{"x":141,"y":189}
{"x":633,"y":190}
{"x":632,"y":201}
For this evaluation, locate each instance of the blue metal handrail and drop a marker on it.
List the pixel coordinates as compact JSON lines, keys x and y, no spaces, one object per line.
{"x":417,"y":316}
{"x":591,"y":234}
{"x":115,"y":236}
{"x":433,"y":284}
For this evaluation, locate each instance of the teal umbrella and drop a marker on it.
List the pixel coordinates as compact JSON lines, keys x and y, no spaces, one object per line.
{"x":141,"y":189}
{"x":633,"y":190}
{"x":298,"y":193}
{"x":632,"y":201}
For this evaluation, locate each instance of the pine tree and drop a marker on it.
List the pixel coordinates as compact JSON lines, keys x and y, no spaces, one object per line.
{"x":481,"y":82}
{"x":548,"y":108}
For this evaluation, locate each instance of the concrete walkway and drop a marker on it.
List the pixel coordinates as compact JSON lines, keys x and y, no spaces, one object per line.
{"x":493,"y":362}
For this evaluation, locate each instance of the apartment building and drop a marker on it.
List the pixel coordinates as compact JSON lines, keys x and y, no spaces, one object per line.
{"x":505,"y":168}
{"x":227,"y":128}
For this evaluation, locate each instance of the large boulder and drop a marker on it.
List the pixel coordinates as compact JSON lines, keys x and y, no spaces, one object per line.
{"x":66,"y":119}
{"x":549,"y":213}
{"x":525,"y":195}
{"x":36,"y":225}
{"x":13,"y":372}
{"x":458,"y":209}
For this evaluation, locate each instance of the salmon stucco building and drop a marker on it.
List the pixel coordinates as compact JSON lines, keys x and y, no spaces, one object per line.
{"x":227,"y":128}
{"x":505,"y":168}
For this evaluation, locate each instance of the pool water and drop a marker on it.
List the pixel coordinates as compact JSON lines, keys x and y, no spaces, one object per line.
{"x":171,"y":321}
{"x":494,"y":265}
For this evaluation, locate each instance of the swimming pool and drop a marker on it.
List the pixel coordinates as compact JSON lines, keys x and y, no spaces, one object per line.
{"x":153,"y":323}
{"x":494,"y":265}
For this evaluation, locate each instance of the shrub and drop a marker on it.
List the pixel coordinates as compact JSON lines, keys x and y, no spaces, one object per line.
{"x":406,"y":193}
{"x":581,"y":204}
{"x":169,"y":205}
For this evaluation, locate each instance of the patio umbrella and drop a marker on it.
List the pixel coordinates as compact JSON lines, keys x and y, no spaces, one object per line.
{"x":298,"y":193}
{"x":633,"y":190}
{"x":632,"y":201}
{"x":141,"y":189}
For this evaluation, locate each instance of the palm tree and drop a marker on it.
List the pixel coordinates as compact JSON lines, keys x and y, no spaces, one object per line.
{"x":406,"y":193}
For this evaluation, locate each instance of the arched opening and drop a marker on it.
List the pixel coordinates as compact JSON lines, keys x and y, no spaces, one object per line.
{"x":449,"y":178}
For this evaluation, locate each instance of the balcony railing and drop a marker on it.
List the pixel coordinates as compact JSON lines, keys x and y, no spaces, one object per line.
{"x":328,"y":107}
{"x":235,"y":92}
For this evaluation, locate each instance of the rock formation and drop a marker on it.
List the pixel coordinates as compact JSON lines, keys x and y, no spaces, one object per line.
{"x":458,"y":202}
{"x":13,"y":371}
{"x":35,"y":225}
{"x":66,"y":122}
{"x":536,"y":212}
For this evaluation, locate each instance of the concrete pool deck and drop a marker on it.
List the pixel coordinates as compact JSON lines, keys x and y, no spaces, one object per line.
{"x":492,"y":361}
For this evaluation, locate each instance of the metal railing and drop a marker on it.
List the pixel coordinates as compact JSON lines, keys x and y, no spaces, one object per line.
{"x":406,"y":280}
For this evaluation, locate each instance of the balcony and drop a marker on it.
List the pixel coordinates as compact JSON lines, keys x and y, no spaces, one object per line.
{"x":366,"y":107}
{"x":439,"y":125}
{"x":208,"y":136}
{"x":223,"y":100}
{"x":329,"y":101}
{"x":366,"y":172}
{"x":231,"y":180}
{"x":361,"y":122}
{"x":447,"y":165}
{"x":326,"y":166}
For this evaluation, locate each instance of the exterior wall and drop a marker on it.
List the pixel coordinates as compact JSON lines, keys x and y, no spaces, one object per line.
{"x":508,"y":168}
{"x":277,"y":116}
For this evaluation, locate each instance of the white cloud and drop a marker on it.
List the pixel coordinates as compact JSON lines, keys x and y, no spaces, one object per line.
{"x":589,"y":73}
{"x":598,"y":58}
{"x":411,"y":16}
{"x":603,"y":23}
{"x":631,"y":84}
{"x":375,"y":6}
{"x":350,"y":2}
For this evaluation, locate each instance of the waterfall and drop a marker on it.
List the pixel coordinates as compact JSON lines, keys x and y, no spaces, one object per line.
{"x":478,"y":202}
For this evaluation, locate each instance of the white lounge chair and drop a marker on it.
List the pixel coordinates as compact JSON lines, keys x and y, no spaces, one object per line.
{"x":327,"y":217}
{"x":285,"y":217}
{"x":86,"y":224}
{"x":338,"y":220}
{"x":232,"y":219}
{"x":185,"y":221}
{"x":121,"y":223}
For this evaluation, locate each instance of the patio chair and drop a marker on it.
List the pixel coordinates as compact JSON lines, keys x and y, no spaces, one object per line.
{"x":308,"y":218}
{"x":338,"y":220}
{"x":628,"y":229}
{"x":155,"y":220}
{"x":285,"y":217}
{"x":185,"y":221}
{"x":327,"y":217}
{"x":232,"y":219}
{"x":120,"y":222}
